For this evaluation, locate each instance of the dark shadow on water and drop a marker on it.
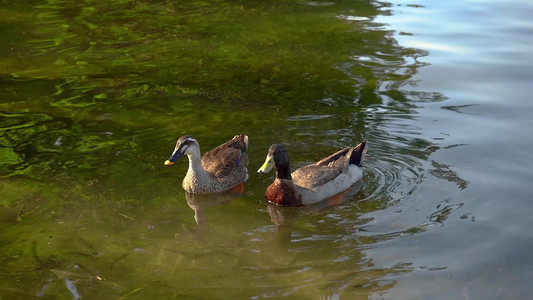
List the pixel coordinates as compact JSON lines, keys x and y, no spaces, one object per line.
{"x":443,"y":171}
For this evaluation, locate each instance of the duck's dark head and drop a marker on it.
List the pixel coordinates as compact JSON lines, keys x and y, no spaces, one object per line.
{"x":186,"y":144}
{"x":277,"y":157}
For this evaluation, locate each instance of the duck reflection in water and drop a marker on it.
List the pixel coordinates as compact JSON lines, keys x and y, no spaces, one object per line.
{"x":283,"y":216}
{"x":199,"y":203}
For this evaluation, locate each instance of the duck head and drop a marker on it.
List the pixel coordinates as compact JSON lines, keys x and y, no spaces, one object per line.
{"x":186,"y":144}
{"x":277,"y":157}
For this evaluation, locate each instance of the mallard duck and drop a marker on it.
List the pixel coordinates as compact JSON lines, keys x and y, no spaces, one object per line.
{"x":315,"y":182}
{"x":221,"y":169}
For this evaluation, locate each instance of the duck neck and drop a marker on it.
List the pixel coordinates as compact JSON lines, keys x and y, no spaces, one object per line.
{"x":283,"y":172}
{"x":196,"y":177}
{"x":195,"y":165}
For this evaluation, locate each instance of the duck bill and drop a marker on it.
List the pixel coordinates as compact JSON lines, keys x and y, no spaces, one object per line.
{"x":175,"y":156}
{"x":267,"y":166}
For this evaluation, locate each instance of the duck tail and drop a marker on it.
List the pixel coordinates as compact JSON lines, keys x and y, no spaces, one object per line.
{"x":241,"y":142}
{"x":358,"y":154}
{"x":246,"y":141}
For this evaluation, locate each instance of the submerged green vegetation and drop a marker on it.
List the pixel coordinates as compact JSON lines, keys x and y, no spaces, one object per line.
{"x":82,"y":79}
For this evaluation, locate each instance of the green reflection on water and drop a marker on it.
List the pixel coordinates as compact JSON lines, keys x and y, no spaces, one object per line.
{"x":93,"y":96}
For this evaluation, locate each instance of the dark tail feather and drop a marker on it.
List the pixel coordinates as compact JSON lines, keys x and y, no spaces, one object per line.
{"x":239,"y":142}
{"x":358,"y":154}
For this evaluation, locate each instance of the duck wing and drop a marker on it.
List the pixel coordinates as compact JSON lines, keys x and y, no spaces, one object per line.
{"x":328,"y":168}
{"x":345,"y":157}
{"x":227,"y":157}
{"x":338,"y":160}
{"x":311,"y":176}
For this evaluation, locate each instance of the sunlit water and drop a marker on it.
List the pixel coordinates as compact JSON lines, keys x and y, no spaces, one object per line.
{"x":94,"y":95}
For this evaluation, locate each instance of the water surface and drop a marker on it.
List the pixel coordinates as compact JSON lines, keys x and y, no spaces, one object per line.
{"x":94,"y":94}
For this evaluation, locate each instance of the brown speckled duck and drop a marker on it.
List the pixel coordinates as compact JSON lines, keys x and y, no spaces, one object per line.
{"x":315,"y":182}
{"x":221,"y":169}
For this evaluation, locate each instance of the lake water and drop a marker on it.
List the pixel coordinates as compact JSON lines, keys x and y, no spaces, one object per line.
{"x":94,"y":94}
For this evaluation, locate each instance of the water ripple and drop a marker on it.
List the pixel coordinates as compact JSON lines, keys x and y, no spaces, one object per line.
{"x":395,"y":163}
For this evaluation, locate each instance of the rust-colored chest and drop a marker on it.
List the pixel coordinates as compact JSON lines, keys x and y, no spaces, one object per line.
{"x":283,"y":192}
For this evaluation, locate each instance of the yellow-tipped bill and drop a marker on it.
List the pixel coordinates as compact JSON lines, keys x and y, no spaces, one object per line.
{"x":175,"y":156}
{"x":267,"y":166}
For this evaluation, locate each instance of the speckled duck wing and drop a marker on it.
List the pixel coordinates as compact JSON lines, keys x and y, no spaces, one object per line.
{"x":227,"y":162}
{"x":238,"y":142}
{"x":227,"y":158}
